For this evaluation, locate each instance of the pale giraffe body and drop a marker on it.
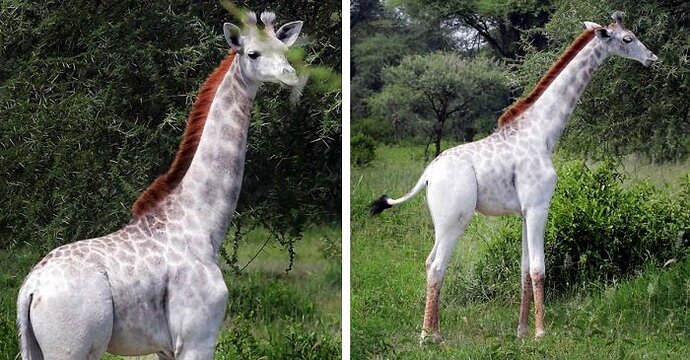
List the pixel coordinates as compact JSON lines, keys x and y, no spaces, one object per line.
{"x":154,"y":286}
{"x":511,"y":171}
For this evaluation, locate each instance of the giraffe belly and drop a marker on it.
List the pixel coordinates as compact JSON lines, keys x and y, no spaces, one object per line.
{"x":140,"y":324}
{"x":497,"y":200}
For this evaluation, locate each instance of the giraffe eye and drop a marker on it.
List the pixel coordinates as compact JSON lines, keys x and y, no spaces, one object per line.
{"x":254,"y":55}
{"x":627,"y":39}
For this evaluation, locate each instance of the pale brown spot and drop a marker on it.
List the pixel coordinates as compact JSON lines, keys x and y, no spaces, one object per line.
{"x":35,"y":302}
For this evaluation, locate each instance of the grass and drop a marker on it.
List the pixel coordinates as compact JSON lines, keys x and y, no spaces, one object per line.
{"x":644,"y":317}
{"x":271,"y":314}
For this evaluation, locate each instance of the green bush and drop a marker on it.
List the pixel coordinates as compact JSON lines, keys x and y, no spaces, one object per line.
{"x":599,"y":231}
{"x":94,"y":101}
{"x":362,"y":149}
{"x":378,"y":130}
{"x":297,"y":343}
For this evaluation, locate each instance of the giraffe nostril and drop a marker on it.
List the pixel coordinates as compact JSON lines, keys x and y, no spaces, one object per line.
{"x":288,"y":70}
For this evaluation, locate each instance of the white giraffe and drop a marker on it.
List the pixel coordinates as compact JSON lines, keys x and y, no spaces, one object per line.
{"x":510,"y":171}
{"x":154,"y":286}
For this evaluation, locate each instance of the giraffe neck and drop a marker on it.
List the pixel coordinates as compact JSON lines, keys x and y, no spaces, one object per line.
{"x":207,"y":195}
{"x":547,"y":117}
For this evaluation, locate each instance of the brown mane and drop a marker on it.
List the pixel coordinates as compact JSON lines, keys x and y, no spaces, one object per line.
{"x":167,"y":182}
{"x":524,"y":103}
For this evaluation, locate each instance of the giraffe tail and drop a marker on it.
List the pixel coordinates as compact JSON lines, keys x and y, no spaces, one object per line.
{"x":30,"y":349}
{"x":385,"y":202}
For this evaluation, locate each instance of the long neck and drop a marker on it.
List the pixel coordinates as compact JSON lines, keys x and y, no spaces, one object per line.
{"x":209,"y":191}
{"x":547,"y":117}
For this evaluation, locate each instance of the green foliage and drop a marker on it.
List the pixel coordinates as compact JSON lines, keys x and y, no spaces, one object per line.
{"x":362,"y":149}
{"x":599,"y":231}
{"x":436,"y":88}
{"x":268,"y":301}
{"x":380,"y":131}
{"x":94,"y":102}
{"x":296,"y":343}
{"x":497,"y":24}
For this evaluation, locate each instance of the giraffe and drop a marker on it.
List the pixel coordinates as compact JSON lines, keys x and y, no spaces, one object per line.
{"x":511,"y":171}
{"x":154,"y":286}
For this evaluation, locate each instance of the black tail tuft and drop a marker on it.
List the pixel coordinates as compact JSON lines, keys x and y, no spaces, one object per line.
{"x":379,"y":205}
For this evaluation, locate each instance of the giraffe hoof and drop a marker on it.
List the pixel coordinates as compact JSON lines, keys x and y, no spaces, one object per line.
{"x":430,"y":339}
{"x":541,"y":333}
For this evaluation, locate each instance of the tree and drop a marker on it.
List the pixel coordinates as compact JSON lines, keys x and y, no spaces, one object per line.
{"x":95,"y":96}
{"x":505,"y":26}
{"x":438,"y":88}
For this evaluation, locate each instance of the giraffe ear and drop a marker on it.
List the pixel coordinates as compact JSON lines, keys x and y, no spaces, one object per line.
{"x":602,"y":33}
{"x":288,"y":33}
{"x":233,"y":36}
{"x":590,"y":25}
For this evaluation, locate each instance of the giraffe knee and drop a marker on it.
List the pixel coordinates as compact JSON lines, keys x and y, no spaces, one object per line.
{"x":428,"y":262}
{"x":536,"y":276}
{"x":435,"y":273}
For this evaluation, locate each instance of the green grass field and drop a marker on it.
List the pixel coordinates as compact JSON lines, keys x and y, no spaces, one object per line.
{"x":271,"y":314}
{"x":641,"y":318}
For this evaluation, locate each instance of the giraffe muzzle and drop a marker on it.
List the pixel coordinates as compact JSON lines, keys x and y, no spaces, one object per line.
{"x":289,"y":76}
{"x":650,"y":60}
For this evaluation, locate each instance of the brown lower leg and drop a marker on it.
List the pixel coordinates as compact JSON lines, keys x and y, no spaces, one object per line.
{"x":431,"y":323}
{"x":525,"y":299}
{"x":538,"y":287}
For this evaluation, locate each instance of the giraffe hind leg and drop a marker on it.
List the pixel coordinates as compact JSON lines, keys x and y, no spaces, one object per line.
{"x":451,"y":202}
{"x":72,"y":324}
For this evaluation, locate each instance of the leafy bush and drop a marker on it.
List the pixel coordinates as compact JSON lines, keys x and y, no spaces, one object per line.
{"x":378,"y":130}
{"x":599,"y":231}
{"x":298,"y":343}
{"x":95,"y":97}
{"x":362,"y":149}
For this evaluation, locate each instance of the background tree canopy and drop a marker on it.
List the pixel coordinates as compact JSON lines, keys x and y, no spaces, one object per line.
{"x":440,"y":87}
{"x":626,"y":108}
{"x":94,"y":97}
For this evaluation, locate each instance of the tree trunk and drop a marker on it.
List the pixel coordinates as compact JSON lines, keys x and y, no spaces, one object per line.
{"x":438,"y":134}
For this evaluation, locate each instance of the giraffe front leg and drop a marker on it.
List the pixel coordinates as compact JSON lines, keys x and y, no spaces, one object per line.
{"x":197,"y":301}
{"x":526,"y":293}
{"x":538,"y":289}
{"x":536,"y":223}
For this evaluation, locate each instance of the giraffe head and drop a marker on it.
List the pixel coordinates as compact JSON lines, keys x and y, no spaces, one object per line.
{"x":262,"y":52}
{"x":621,"y":41}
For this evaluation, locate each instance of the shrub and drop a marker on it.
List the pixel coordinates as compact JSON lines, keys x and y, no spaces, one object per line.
{"x":378,"y":130}
{"x":362,"y":149}
{"x":598,"y":231}
{"x":297,"y":343}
